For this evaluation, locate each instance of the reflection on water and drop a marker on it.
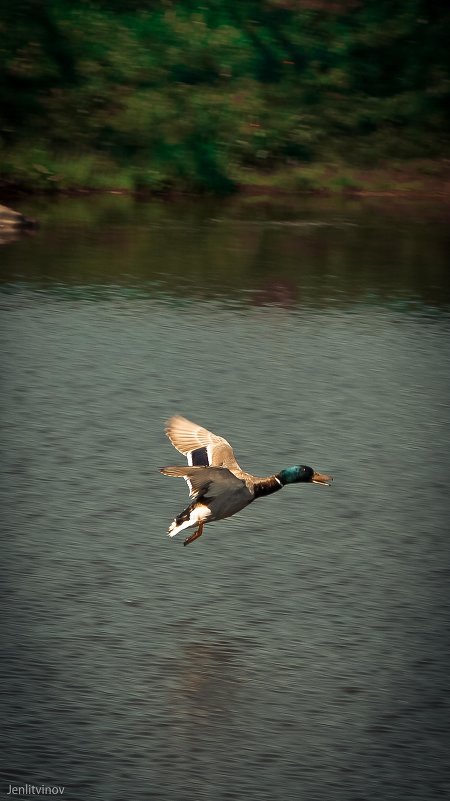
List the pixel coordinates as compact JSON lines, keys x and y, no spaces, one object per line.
{"x":206,"y":682}
{"x":299,"y":649}
{"x":205,"y":685}
{"x":324,"y":253}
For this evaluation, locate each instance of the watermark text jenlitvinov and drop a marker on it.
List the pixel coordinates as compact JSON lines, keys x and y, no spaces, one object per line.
{"x":25,"y":790}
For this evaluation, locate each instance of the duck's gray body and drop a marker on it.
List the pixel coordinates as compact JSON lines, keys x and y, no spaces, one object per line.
{"x":224,"y":493}
{"x":215,"y":488}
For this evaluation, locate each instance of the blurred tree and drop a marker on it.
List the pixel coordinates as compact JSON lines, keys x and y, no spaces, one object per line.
{"x":192,"y":92}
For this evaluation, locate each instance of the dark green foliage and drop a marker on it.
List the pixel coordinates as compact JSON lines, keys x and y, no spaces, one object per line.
{"x":190,"y":94}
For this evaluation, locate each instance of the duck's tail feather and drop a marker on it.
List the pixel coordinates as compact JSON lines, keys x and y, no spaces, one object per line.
{"x":192,"y":516}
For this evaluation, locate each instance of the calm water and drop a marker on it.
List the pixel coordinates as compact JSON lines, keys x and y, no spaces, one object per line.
{"x":299,"y":650}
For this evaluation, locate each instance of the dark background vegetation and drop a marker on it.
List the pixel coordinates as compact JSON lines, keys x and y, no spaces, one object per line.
{"x":155,"y":94}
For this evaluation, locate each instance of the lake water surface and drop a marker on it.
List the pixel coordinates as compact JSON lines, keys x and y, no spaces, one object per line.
{"x":299,"y":650}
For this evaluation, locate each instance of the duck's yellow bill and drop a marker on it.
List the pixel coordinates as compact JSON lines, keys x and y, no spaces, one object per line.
{"x":320,"y":478}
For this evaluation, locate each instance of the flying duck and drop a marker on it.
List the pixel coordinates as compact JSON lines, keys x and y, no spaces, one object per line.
{"x":218,"y":487}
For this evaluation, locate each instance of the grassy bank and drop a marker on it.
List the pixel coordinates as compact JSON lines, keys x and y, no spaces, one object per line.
{"x":36,"y":171}
{"x":417,"y":177}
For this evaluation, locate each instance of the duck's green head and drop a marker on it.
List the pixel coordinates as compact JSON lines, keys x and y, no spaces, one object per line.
{"x":301,"y":472}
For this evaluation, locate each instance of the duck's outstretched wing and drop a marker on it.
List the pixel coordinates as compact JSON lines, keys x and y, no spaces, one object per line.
{"x":201,"y":447}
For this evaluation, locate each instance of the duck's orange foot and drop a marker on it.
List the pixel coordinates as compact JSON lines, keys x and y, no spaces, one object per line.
{"x":195,"y":535}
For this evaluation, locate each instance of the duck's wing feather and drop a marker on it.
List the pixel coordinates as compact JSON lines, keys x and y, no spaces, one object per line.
{"x":201,"y":447}
{"x":200,"y":479}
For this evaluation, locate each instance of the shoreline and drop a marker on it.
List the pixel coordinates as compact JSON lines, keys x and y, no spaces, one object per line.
{"x":424,"y":179}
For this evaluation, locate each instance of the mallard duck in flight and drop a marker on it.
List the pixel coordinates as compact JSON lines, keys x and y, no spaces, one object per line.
{"x":218,"y":487}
